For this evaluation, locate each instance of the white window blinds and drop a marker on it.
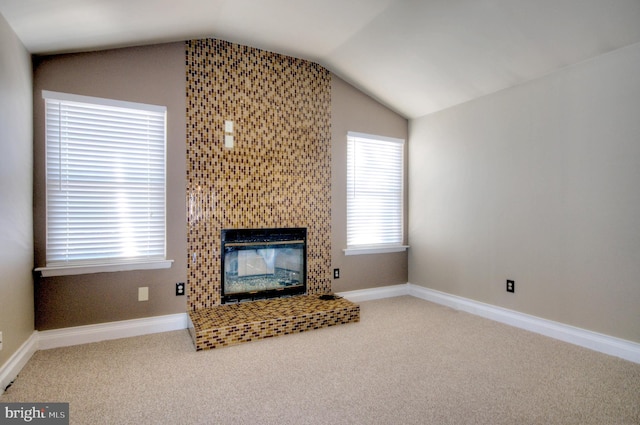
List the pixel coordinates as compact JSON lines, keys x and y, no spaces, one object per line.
{"x":374,"y":190}
{"x":105,"y":164}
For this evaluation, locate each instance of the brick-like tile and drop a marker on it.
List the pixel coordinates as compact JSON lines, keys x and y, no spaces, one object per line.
{"x":231,"y":324}
{"x":278,"y":174}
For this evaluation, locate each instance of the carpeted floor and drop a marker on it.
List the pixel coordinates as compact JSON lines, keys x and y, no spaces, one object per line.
{"x":407,"y":361}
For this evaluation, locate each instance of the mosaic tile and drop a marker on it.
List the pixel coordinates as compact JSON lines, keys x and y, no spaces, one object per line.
{"x":231,"y":324}
{"x":278,"y":174}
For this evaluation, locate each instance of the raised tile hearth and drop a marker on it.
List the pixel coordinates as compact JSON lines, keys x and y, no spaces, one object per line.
{"x":231,"y":324}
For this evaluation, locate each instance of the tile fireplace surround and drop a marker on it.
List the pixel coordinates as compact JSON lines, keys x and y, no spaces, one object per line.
{"x":231,"y":324}
{"x":278,"y":173}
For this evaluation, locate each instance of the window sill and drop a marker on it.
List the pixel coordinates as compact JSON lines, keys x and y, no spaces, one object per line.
{"x":375,"y":249}
{"x":100,"y":268}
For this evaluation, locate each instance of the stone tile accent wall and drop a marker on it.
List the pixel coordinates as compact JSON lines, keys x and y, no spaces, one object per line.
{"x":278,"y":174}
{"x":232,"y":324}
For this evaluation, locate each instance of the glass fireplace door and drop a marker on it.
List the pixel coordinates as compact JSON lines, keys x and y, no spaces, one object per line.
{"x":263,"y":264}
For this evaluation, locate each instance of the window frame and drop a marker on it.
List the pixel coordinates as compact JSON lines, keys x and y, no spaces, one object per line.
{"x":379,"y":248}
{"x":116,"y":263}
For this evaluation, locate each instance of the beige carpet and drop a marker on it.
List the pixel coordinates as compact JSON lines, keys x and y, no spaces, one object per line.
{"x":408,"y":361}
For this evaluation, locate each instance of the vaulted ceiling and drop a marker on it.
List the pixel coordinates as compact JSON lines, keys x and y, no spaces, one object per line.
{"x":415,"y":56}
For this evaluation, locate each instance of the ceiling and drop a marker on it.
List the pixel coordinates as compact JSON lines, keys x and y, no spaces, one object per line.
{"x":415,"y":56}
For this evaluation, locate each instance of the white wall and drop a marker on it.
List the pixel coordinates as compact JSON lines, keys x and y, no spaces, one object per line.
{"x":16,"y":188}
{"x":539,"y":183}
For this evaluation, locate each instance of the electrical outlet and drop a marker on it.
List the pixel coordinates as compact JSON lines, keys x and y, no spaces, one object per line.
{"x":336,"y":273}
{"x":143,"y":293}
{"x":511,"y":286}
{"x":179,"y":289}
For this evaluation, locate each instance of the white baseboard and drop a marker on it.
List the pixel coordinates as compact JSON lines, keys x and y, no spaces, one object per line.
{"x":17,"y":361}
{"x":114,"y":330}
{"x":44,"y":340}
{"x":65,"y":337}
{"x":606,"y":344}
{"x":361,"y":295}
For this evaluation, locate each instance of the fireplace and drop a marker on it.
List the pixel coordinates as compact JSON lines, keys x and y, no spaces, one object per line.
{"x":263,"y":263}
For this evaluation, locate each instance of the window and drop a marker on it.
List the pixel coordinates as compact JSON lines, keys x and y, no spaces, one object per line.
{"x":375,"y":176}
{"x":105,"y":185}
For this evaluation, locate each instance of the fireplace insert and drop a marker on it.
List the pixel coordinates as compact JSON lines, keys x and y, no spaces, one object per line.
{"x":263,"y":263}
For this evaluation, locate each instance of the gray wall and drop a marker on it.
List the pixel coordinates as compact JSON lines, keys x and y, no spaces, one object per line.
{"x":351,"y":110}
{"x":156,"y":74}
{"x":538,"y":183}
{"x":152,"y":74}
{"x":16,"y":188}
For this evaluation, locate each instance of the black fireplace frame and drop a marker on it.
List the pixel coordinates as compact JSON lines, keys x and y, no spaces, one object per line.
{"x":259,"y":237}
